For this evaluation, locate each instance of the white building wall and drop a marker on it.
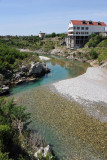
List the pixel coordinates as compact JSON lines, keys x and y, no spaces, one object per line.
{"x":78,"y":37}
{"x":91,"y":29}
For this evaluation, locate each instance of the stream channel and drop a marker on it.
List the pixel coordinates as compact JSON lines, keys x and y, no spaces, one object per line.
{"x":63,"y":124}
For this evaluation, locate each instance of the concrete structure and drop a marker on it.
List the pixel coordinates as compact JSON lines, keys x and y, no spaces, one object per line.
{"x":79,"y":32}
{"x":41,"y":35}
{"x":104,"y":34}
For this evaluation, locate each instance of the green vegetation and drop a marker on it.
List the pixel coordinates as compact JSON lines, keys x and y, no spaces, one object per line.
{"x":9,"y":58}
{"x":96,"y":48}
{"x":48,"y":45}
{"x":17,"y":142}
{"x":93,"y":54}
{"x":13,"y":121}
{"x":60,"y":35}
{"x":95,"y":40}
{"x":31,"y":42}
{"x":100,"y":47}
{"x":103,"y":43}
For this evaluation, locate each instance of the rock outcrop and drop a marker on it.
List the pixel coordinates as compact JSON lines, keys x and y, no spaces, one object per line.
{"x":43,"y":151}
{"x":27,"y":72}
{"x":3,"y":88}
{"x":38,"y":69}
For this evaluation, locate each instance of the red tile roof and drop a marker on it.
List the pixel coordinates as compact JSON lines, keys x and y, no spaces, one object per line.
{"x":79,"y":22}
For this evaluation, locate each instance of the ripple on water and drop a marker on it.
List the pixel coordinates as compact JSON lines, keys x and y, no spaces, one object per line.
{"x":64,"y":125}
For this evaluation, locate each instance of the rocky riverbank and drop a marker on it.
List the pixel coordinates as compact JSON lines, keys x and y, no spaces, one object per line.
{"x":26,"y":72}
{"x":89,"y":90}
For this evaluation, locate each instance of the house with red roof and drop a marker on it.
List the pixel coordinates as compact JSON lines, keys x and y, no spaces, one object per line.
{"x":79,"y":32}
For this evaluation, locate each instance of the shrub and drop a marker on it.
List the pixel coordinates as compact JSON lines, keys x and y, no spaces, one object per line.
{"x":102,"y":57}
{"x":95,"y":39}
{"x":102,"y":43}
{"x":93,"y":54}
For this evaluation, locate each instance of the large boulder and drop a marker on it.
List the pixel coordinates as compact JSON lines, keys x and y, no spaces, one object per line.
{"x":38,"y":69}
{"x":24,"y":68}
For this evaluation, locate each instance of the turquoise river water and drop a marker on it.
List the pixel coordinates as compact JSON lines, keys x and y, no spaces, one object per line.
{"x":60,"y":122}
{"x":61,"y":69}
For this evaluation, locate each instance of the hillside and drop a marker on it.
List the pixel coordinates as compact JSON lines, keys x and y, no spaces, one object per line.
{"x":94,"y":49}
{"x":33,"y":42}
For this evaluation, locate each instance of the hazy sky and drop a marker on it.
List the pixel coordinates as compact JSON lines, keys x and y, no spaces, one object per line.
{"x":26,"y":17}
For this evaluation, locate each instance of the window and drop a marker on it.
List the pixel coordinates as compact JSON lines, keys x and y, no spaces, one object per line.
{"x":99,"y":23}
{"x":78,"y":28}
{"x":83,"y":22}
{"x":90,"y":22}
{"x":74,"y":27}
{"x":76,"y":32}
{"x":77,"y":41}
{"x":86,"y":28}
{"x":82,"y":28}
{"x":82,"y":32}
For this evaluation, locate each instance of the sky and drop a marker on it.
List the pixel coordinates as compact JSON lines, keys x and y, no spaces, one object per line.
{"x":29,"y":17}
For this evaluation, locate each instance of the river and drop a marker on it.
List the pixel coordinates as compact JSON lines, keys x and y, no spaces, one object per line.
{"x":63,"y":124}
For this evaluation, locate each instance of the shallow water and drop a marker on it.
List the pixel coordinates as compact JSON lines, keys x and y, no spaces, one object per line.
{"x":60,"y":69}
{"x":63,"y":124}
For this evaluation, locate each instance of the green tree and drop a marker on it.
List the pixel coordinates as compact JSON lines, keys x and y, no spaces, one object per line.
{"x":20,"y":118}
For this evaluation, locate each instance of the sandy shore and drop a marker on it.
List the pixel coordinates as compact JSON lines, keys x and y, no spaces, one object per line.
{"x":89,"y":90}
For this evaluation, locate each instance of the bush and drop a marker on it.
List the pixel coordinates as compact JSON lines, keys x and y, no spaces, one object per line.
{"x":49,"y":45}
{"x":102,"y":43}
{"x":4,"y":156}
{"x":95,"y":39}
{"x":102,"y":57}
{"x":93,"y":54}
{"x":8,"y":57}
{"x":13,"y":119}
